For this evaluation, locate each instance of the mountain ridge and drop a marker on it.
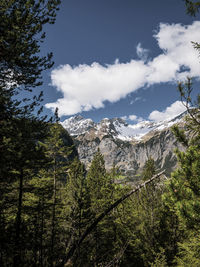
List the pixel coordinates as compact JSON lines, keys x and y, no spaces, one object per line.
{"x":118,"y":127}
{"x":124,"y":145}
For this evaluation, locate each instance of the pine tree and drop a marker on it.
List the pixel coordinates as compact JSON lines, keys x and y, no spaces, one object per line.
{"x":22,"y":24}
{"x":25,"y":159}
{"x":183,"y":196}
{"x":59,"y":157}
{"x":149,"y":169}
{"x":77,"y":211}
{"x":102,"y":194}
{"x":20,"y":69}
{"x":149,"y":207}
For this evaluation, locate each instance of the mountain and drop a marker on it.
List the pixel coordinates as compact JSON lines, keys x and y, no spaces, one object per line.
{"x":125,"y":145}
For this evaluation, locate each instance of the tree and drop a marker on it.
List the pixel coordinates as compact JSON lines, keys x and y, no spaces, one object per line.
{"x":149,"y":169}
{"x":101,"y":216}
{"x":22,"y":24}
{"x":183,"y":196}
{"x":148,"y":206}
{"x":58,"y":155}
{"x":76,"y":211}
{"x":97,"y":181}
{"x":21,"y":67}
{"x":25,"y":158}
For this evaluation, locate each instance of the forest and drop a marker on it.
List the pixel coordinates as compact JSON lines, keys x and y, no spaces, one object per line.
{"x":54,"y":212}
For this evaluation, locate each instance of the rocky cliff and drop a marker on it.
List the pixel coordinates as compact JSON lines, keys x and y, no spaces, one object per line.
{"x":123,"y":145}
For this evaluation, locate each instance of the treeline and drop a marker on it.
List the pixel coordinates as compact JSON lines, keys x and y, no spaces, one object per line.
{"x":48,"y":201}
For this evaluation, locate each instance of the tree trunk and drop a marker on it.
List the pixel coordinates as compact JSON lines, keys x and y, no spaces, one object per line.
{"x":53,"y":217}
{"x":17,"y":256}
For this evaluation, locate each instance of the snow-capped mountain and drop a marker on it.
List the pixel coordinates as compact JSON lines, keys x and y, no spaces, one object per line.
{"x":78,"y":125}
{"x":117,"y":127}
{"x":127,"y":146}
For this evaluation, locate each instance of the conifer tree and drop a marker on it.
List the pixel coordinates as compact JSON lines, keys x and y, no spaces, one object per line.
{"x":26,"y":161}
{"x":149,"y":169}
{"x":183,"y":196}
{"x":96,"y":181}
{"x":58,"y":155}
{"x":77,"y":212}
{"x":101,"y":187}
{"x":20,"y":69}
{"x":149,"y":207}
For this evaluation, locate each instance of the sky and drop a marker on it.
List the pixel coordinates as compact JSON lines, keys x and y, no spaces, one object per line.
{"x":120,"y":58}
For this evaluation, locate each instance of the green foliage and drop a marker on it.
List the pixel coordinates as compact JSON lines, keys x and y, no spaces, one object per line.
{"x":76,"y":211}
{"x":189,"y":254}
{"x":192,"y":7}
{"x":97,"y":182}
{"x":149,"y":213}
{"x":184,"y":187}
{"x":182,"y":196}
{"x":100,"y":190}
{"x":185,"y":184}
{"x":149,"y":169}
{"x":160,"y":260}
{"x":180,"y":135}
{"x":193,"y":107}
{"x":22,"y":24}
{"x":20,"y":130}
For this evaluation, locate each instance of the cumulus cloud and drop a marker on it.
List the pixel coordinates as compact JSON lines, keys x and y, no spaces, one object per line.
{"x":87,"y":87}
{"x":170,"y":112}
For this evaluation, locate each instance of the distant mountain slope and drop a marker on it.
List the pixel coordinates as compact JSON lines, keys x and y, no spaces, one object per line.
{"x":124,"y":145}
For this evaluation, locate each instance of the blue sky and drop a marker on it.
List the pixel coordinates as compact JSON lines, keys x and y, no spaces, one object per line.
{"x":119,"y":58}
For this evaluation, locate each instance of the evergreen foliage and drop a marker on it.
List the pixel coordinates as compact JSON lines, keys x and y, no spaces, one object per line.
{"x":101,"y":192}
{"x":76,"y":211}
{"x":183,"y":197}
{"x":149,"y":169}
{"x":20,"y":130}
{"x":192,"y":7}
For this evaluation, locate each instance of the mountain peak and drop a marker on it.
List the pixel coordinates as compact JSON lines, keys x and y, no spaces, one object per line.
{"x":117,"y":127}
{"x":77,"y":125}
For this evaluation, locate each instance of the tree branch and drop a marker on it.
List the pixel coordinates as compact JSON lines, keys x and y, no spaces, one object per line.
{"x":101,"y":216}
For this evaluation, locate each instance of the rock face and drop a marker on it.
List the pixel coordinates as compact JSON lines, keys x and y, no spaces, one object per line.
{"x":123,"y":145}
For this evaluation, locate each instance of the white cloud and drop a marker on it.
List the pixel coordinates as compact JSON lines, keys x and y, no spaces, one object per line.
{"x":133,"y":117}
{"x":170,"y":112}
{"x":142,"y":52}
{"x":136,"y":99}
{"x":176,"y":42}
{"x":86,"y":87}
